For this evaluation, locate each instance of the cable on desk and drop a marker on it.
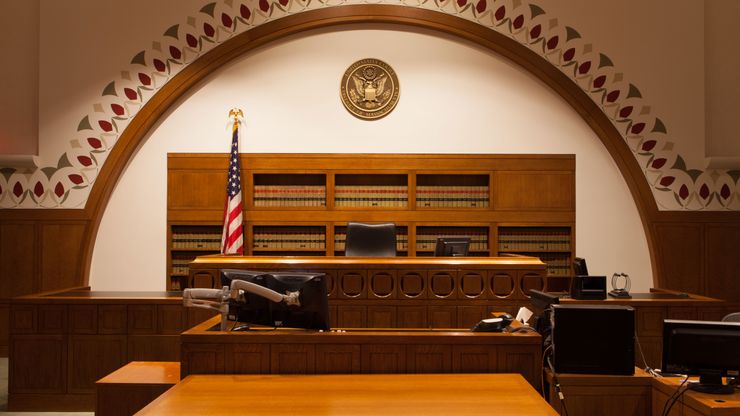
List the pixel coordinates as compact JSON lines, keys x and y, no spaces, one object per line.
{"x":646,"y":367}
{"x":674,"y":397}
{"x":556,"y":383}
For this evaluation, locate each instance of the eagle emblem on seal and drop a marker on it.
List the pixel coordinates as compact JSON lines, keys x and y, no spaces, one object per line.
{"x":369,"y":89}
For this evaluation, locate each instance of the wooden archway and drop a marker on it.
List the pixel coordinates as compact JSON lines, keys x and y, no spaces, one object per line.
{"x":137,"y":131}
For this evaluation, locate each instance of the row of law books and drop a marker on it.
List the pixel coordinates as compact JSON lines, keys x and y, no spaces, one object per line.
{"x":370,"y":196}
{"x":290,"y":239}
{"x":534,"y":240}
{"x":180,"y":266}
{"x":289,"y":196}
{"x":199,"y":241}
{"x":452,"y":196}
{"x":340,"y":242}
{"x":556,"y":265}
{"x":478,"y":240}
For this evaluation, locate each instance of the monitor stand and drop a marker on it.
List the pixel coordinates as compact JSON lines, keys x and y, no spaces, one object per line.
{"x":711,"y":384}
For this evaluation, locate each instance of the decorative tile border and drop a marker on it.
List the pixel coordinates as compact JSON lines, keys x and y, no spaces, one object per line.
{"x":674,"y":185}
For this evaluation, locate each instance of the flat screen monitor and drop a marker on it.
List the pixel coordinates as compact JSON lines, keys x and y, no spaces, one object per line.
{"x":708,"y":349}
{"x":541,"y":321}
{"x":313,"y":312}
{"x":251,"y":309}
{"x":579,"y":267}
{"x":452,"y":246}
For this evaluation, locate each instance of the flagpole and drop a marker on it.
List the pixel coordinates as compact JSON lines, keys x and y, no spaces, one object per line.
{"x":232,"y":236}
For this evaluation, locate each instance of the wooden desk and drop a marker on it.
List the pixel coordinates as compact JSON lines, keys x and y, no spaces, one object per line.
{"x":603,"y":395}
{"x":356,"y":395}
{"x":133,"y":386}
{"x":288,"y":351}
{"x":401,"y":292}
{"x":693,"y":403}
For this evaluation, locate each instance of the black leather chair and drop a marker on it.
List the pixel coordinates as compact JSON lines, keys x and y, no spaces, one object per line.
{"x":370,"y":240}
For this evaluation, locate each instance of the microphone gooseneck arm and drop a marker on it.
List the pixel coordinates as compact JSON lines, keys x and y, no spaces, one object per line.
{"x":239,"y":286}
{"x":211,"y":299}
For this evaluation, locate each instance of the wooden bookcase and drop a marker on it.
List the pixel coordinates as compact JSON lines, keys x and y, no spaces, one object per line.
{"x":299,"y":204}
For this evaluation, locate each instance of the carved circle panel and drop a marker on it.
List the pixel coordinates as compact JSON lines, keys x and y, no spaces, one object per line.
{"x":352,"y":285}
{"x":442,"y":285}
{"x":330,"y":283}
{"x":412,"y":285}
{"x":472,"y":285}
{"x":382,"y":285}
{"x":502,"y":285}
{"x":530,"y":281}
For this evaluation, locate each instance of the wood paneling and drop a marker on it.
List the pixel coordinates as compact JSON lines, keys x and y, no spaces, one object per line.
{"x":338,"y":359}
{"x":18,"y":259}
{"x":534,"y":190}
{"x":722,"y":265}
{"x":61,"y":254}
{"x":412,"y":317}
{"x":170,"y":319}
{"x":381,"y":316}
{"x":154,"y":348}
{"x":442,"y":316}
{"x":293,"y":358}
{"x":194,"y":189}
{"x":680,"y":253}
{"x":142,"y":319}
{"x":429,"y":358}
{"x":93,"y":357}
{"x":24,"y":319}
{"x":52,"y":319}
{"x":247,"y":359}
{"x":112,"y":319}
{"x":383,"y":359}
{"x":351,"y":316}
{"x":38,"y":364}
{"x":83,"y":319}
{"x":474,"y":359}
{"x":202,"y":359}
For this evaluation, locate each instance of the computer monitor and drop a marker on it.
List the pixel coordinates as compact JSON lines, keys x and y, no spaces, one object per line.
{"x":452,"y":246}
{"x":707,"y":349}
{"x":252,"y":309}
{"x":579,"y":267}
{"x":541,"y":320}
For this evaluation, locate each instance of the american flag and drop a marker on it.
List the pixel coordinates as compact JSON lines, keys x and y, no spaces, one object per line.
{"x":232,"y":237}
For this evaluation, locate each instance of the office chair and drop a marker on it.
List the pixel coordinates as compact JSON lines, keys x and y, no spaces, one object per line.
{"x":370,"y":240}
{"x":733,"y":317}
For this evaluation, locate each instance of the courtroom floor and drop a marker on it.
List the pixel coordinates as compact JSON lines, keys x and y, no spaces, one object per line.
{"x":4,"y":397}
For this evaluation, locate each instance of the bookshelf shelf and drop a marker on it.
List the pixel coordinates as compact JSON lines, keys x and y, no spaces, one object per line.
{"x":299,"y":204}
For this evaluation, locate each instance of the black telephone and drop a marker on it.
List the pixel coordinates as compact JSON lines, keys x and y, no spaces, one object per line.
{"x":497,"y":324}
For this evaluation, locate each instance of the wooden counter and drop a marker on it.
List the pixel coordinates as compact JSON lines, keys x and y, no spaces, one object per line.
{"x":62,"y":342}
{"x":352,"y":351}
{"x":356,"y":395}
{"x":603,"y":395}
{"x":402,"y":292}
{"x":693,"y":403}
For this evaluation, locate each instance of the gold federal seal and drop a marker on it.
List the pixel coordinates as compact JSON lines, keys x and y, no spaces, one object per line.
{"x":369,"y":89}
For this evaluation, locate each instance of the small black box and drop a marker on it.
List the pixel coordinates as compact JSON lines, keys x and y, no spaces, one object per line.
{"x":593,"y":339}
{"x":588,"y":287}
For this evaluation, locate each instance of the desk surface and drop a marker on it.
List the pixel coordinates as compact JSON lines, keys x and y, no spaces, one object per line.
{"x":225,"y":261}
{"x":357,"y":395}
{"x":706,"y":404}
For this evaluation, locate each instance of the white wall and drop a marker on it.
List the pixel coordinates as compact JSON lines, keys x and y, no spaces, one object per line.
{"x":455,"y":98}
